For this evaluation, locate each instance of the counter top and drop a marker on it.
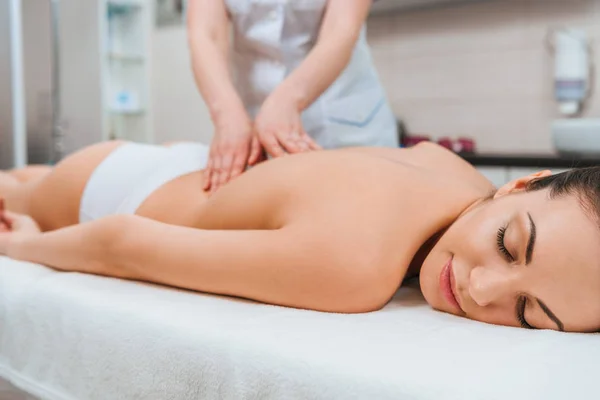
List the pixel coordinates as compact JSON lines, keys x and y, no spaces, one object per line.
{"x":530,"y":160}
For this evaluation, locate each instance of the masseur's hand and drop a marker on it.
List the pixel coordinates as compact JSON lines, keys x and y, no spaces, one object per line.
{"x":234,"y":146}
{"x":14,"y":226}
{"x":279,"y":127}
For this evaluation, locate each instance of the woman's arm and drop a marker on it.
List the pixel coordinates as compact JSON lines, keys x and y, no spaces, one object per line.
{"x":81,"y":248}
{"x":233,"y":145}
{"x":339,"y":32}
{"x":289,"y":267}
{"x":208,"y":38}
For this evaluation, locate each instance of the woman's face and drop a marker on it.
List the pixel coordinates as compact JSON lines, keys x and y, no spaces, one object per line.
{"x":521,"y":259}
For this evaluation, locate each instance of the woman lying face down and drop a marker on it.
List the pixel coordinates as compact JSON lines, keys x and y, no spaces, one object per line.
{"x":334,"y":231}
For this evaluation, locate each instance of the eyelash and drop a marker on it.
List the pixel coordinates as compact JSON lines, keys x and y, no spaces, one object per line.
{"x":501,"y":246}
{"x":521,"y":303}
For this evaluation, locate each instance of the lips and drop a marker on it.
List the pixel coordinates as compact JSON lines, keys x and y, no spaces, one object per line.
{"x":448,"y":286}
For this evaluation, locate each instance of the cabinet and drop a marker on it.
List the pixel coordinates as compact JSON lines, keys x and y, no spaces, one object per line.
{"x":104,"y":52}
{"x":497,"y":175}
{"x":500,"y":175}
{"x":384,"y":6}
{"x":126,"y":106}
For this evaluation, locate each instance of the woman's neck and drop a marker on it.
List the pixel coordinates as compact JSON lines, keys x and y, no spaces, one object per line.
{"x":415,"y":265}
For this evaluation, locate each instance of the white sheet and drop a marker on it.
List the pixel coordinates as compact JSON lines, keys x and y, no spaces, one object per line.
{"x":73,"y":336}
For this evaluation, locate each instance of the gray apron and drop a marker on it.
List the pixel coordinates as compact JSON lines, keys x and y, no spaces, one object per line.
{"x":272,"y":37}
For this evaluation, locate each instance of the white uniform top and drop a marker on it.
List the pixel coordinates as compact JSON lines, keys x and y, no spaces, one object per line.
{"x":272,"y":37}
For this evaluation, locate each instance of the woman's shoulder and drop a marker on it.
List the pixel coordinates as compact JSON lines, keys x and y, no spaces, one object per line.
{"x":434,"y":159}
{"x":448,"y":164}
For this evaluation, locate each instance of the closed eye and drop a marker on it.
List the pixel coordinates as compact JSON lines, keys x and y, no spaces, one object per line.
{"x":520,"y":313}
{"x":501,"y":247}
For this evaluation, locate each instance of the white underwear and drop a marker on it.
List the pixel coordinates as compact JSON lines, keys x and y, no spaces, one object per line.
{"x":133,"y":171}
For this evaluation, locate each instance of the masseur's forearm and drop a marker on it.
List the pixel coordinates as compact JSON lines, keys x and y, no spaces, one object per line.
{"x":340,"y":29}
{"x":208,"y":37}
{"x":82,"y":248}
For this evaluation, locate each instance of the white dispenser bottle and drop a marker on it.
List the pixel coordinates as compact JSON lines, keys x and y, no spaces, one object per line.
{"x":572,"y":70}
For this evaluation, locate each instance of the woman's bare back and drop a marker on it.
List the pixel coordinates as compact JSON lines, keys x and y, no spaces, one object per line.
{"x":266,"y":197}
{"x":332,"y":190}
{"x":350,"y":209}
{"x":352,"y":184}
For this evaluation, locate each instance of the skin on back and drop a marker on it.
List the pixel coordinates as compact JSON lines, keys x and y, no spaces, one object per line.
{"x":361,"y":209}
{"x":330,"y":230}
{"x":271,"y":190}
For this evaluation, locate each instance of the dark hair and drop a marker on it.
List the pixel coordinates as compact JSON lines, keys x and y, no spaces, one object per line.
{"x":581,"y":182}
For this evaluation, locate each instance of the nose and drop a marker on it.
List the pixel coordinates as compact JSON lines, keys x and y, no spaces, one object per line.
{"x":488,"y":285}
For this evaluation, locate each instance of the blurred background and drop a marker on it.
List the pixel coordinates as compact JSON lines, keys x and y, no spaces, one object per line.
{"x":512,"y":76}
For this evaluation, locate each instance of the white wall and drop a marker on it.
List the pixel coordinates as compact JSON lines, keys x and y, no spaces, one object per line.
{"x":179,"y":111}
{"x":479,"y":70}
{"x":80,"y":73}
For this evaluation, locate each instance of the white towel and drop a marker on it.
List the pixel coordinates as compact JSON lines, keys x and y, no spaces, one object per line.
{"x":70,"y":336}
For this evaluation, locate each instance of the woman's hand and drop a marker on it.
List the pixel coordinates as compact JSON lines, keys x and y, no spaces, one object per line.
{"x":15,"y":226}
{"x":279,"y":127}
{"x":233,"y":147}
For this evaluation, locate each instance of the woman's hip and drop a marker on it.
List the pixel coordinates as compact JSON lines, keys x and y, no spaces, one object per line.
{"x":132,"y":173}
{"x":56,"y":198}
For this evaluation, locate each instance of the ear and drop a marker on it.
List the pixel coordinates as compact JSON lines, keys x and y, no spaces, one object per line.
{"x":520,"y":184}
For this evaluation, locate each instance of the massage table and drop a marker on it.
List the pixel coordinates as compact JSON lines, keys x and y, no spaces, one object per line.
{"x":71,"y":336}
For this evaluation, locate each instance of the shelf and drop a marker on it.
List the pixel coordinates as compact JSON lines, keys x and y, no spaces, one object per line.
{"x":128,"y":113}
{"x":131,"y":58}
{"x":125,"y":58}
{"x":125,"y":3}
{"x":123,"y":7}
{"x":387,"y":6}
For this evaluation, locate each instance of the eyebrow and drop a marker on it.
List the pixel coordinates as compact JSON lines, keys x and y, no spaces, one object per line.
{"x":551,"y":315}
{"x":528,"y":255}
{"x":531,"y":241}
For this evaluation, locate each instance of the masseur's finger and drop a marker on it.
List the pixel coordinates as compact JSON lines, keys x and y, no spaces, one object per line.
{"x":5,"y":222}
{"x":239,"y":164}
{"x":215,"y":178}
{"x":299,"y":140}
{"x":208,"y":172}
{"x":255,"y":150}
{"x":232,"y":164}
{"x":304,"y":147}
{"x":271,"y":144}
{"x":310,"y":141}
{"x":289,"y":142}
{"x":227,"y":168}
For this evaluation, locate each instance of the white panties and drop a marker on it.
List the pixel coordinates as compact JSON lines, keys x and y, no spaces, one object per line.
{"x":133,"y":171}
